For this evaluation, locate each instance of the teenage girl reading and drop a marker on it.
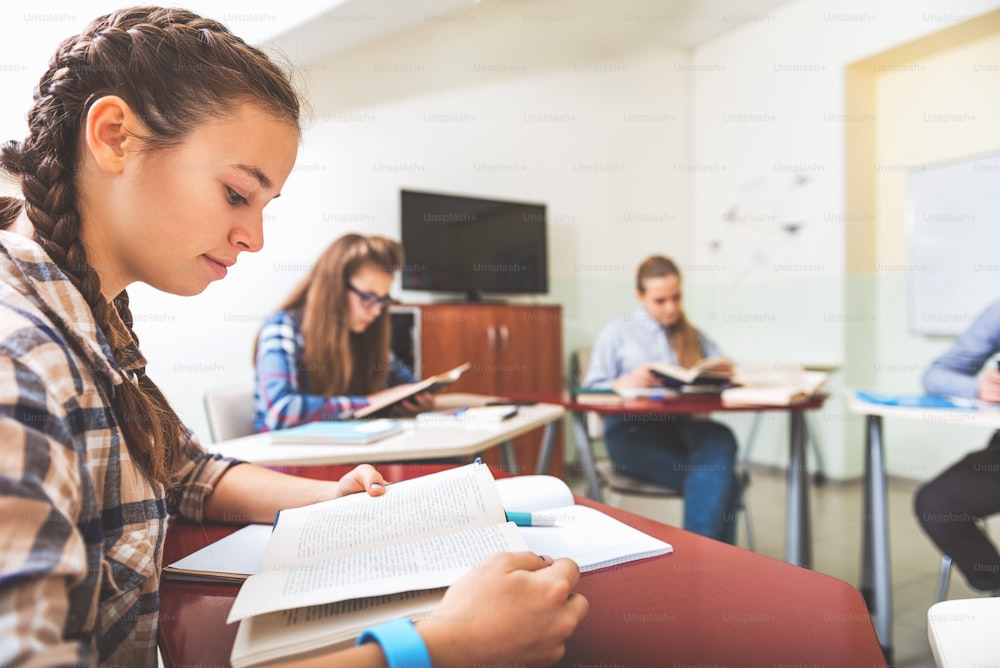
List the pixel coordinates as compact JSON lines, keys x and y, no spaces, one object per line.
{"x":325,"y":353}
{"x":687,"y":453}
{"x":154,"y":142}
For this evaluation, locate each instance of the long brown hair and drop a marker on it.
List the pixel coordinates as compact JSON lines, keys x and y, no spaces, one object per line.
{"x":335,"y":360}
{"x":684,"y":338}
{"x":176,"y":70}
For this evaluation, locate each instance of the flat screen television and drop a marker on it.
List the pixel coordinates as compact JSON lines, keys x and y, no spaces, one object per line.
{"x":473,"y":245}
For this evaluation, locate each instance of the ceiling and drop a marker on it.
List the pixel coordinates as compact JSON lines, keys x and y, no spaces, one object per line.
{"x":598,"y":24}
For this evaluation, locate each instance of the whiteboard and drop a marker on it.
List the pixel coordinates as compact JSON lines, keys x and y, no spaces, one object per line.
{"x":953,"y":234}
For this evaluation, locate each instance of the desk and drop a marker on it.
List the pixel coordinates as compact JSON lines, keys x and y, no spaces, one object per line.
{"x":876,"y":580}
{"x":417,"y":441}
{"x":798,"y":539}
{"x":962,"y":632}
{"x":707,"y":603}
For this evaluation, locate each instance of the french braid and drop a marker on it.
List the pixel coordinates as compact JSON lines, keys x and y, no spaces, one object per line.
{"x":176,"y":70}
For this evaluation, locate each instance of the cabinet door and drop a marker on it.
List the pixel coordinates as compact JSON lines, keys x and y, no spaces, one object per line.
{"x":452,"y":334}
{"x":529,"y":363}
{"x":529,"y":350}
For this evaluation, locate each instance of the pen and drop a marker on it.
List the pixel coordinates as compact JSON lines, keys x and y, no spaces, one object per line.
{"x":531,"y":519}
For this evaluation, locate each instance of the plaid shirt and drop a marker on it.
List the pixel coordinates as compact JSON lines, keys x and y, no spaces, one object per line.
{"x":81,"y":529}
{"x":278,"y":400}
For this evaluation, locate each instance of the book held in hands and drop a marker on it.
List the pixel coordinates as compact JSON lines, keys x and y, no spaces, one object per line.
{"x":403,"y":392}
{"x":331,"y":569}
{"x":709,"y":371}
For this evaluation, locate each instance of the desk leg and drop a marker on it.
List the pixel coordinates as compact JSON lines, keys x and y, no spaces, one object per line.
{"x":798,"y":539}
{"x":586,"y":455}
{"x":508,"y":458}
{"x":879,"y":528}
{"x":548,"y":445}
{"x":867,"y":576}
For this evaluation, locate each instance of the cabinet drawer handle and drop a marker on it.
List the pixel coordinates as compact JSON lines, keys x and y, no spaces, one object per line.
{"x":504,"y":339}
{"x":491,"y":338}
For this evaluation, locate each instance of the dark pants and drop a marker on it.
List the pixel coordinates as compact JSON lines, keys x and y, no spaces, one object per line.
{"x":693,"y":455}
{"x":949,"y":505}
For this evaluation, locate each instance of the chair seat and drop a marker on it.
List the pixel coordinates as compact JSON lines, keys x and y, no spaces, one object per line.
{"x":626,"y":484}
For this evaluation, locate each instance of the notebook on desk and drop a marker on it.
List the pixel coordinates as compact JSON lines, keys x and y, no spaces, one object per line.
{"x":917,"y":400}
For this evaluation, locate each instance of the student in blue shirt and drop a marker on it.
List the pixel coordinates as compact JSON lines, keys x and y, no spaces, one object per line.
{"x":689,"y":453}
{"x":325,"y":353}
{"x":949,"y":506}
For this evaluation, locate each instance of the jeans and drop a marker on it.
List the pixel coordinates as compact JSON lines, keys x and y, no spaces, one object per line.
{"x":949,"y":506}
{"x":694,"y":455}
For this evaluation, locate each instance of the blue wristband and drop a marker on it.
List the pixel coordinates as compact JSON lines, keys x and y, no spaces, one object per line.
{"x":400,"y":642}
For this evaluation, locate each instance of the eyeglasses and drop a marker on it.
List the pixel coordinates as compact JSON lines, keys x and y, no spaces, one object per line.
{"x":370,"y":299}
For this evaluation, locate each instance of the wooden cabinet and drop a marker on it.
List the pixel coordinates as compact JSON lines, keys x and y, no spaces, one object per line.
{"x":514,"y":349}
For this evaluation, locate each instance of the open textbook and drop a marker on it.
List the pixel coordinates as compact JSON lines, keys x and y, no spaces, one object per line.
{"x":773,"y":385}
{"x":709,"y":371}
{"x":401,"y":392}
{"x":332,"y":569}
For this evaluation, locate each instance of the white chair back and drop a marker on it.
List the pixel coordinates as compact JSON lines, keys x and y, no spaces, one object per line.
{"x":230,"y":412}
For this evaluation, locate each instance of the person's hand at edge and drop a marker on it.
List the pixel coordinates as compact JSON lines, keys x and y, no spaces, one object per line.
{"x":513,"y":608}
{"x":363,"y":478}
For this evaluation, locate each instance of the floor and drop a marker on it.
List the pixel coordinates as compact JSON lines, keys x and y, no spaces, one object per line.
{"x":836,"y":509}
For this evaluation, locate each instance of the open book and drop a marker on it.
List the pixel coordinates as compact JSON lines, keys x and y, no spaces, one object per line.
{"x":332,"y":569}
{"x":773,"y":385}
{"x":709,"y":371}
{"x":401,"y":392}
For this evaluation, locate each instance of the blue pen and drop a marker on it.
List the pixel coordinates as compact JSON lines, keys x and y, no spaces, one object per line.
{"x":530,"y":519}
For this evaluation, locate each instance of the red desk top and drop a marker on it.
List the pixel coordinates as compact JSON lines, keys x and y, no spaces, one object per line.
{"x":705,"y":604}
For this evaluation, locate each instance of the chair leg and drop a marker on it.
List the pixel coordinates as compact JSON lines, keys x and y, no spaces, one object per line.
{"x":943,"y":578}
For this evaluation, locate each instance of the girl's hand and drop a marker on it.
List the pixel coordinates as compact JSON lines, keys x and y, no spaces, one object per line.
{"x":418,"y":403}
{"x":363,"y":478}
{"x":989,"y":385}
{"x":640,"y":376}
{"x":529,"y":613}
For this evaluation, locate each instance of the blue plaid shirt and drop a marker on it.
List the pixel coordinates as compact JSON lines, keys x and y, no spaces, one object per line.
{"x":82,"y":530}
{"x":279,"y":400}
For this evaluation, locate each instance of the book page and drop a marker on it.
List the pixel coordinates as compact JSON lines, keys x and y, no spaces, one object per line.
{"x":332,"y":626}
{"x":428,"y":563}
{"x":455,"y":499}
{"x":529,"y":493}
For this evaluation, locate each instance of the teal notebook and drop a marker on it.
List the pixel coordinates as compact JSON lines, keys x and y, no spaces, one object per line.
{"x":347,"y":432}
{"x":915,"y":400}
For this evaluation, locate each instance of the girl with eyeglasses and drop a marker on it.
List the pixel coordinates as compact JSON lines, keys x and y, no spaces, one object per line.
{"x":325,"y":353}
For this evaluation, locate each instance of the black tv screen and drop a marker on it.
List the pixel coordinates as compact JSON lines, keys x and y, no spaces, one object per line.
{"x":473,"y":245}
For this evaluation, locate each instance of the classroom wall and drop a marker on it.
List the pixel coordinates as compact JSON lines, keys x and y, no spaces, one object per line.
{"x":774,"y":115}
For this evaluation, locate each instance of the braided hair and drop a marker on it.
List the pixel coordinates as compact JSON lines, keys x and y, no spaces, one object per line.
{"x":176,"y":70}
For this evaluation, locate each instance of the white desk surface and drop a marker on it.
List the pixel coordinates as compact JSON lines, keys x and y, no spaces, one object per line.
{"x":979,"y":417}
{"x":416,"y":441}
{"x":963,"y":632}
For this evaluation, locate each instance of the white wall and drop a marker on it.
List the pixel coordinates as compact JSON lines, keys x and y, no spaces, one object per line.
{"x":769,"y":103}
